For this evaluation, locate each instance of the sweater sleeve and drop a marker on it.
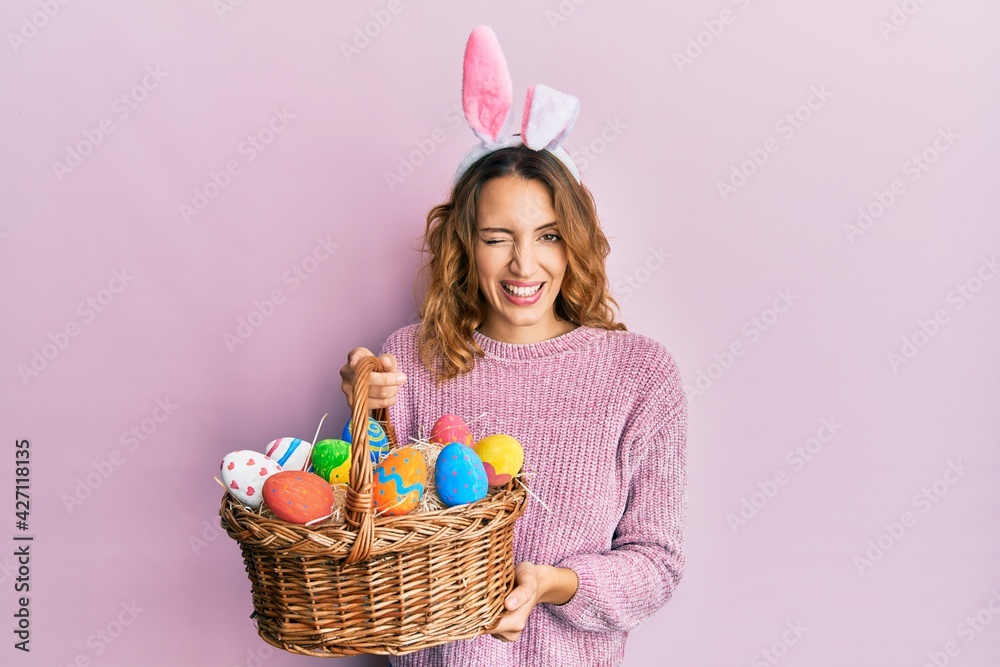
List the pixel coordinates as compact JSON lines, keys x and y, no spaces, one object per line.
{"x":621,"y":587}
{"x":401,"y":412}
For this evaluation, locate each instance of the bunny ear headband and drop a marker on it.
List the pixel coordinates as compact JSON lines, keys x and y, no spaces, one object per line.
{"x":487,"y":98}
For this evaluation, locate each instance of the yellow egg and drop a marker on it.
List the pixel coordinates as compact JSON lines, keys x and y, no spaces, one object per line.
{"x":502,"y":456}
{"x":341,"y":474}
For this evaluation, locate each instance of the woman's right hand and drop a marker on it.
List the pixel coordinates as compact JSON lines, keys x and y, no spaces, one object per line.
{"x":382,"y":387}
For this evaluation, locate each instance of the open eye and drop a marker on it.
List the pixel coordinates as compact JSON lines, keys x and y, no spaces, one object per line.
{"x":553,"y":238}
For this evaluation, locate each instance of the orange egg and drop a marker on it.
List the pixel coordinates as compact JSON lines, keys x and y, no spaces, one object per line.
{"x":298,"y":497}
{"x":398,"y":481}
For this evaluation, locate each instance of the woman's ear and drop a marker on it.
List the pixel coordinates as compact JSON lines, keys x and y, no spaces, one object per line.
{"x":487,"y":91}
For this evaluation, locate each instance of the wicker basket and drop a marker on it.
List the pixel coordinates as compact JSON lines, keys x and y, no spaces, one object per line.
{"x":388,"y":584}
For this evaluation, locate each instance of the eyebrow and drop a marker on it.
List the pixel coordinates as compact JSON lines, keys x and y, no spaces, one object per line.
{"x":503,"y":229}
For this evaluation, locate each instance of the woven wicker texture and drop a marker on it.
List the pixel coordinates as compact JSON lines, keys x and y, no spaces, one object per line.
{"x":386,"y":584}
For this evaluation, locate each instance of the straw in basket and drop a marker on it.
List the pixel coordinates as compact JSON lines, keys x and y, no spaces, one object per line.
{"x":385,"y":584}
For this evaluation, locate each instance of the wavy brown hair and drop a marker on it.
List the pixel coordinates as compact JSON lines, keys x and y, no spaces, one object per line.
{"x":453,"y":306}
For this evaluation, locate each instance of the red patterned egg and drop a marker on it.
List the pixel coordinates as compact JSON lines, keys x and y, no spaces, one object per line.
{"x":244,"y":473}
{"x":298,"y":497}
{"x":451,"y":428}
{"x":398,"y":481}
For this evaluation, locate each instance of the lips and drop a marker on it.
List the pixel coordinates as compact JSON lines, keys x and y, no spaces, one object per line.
{"x":521,"y":290}
{"x":523,"y":297}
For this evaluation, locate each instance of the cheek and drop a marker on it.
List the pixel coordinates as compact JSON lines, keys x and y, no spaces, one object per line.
{"x":487,"y":267}
{"x":558,"y":265}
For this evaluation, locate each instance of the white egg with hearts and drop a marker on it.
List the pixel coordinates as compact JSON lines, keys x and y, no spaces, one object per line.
{"x":244,"y":473}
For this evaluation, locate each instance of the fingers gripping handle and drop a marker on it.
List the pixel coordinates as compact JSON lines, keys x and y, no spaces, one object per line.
{"x":359,"y":506}
{"x":359,"y":492}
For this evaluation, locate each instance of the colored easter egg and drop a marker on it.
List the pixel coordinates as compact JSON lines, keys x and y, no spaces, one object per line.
{"x":502,"y":457}
{"x":244,"y":473}
{"x":297,"y":496}
{"x":450,"y":428}
{"x":290,"y":453}
{"x":459,"y":475}
{"x":378,"y":441}
{"x":398,"y":481}
{"x":331,"y":460}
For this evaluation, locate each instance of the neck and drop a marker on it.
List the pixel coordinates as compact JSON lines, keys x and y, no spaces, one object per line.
{"x":528,"y":334}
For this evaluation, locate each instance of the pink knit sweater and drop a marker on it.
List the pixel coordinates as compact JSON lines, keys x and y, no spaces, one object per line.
{"x":602,"y":417}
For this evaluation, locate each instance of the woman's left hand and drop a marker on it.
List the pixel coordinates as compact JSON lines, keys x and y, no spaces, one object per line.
{"x":533,"y":584}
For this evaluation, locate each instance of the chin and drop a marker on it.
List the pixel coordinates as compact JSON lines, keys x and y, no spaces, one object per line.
{"x":524,"y":322}
{"x":523,"y":319}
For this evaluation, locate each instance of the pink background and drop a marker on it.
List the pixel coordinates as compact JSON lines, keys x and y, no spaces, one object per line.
{"x":691,"y":268}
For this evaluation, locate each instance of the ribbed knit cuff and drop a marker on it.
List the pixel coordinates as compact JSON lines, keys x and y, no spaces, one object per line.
{"x":578,"y":611}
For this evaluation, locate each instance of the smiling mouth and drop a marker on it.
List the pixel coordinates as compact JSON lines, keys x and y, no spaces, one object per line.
{"x":521,"y":291}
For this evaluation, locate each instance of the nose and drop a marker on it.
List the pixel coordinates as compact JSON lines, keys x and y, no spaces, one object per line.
{"x":524,"y":262}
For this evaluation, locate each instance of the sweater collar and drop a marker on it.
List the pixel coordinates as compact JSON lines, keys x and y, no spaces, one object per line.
{"x":544,"y":348}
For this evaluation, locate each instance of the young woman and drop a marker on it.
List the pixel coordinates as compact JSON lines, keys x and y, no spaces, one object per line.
{"x":517,"y":321}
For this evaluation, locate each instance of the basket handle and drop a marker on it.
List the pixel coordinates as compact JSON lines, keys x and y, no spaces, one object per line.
{"x":359,"y":506}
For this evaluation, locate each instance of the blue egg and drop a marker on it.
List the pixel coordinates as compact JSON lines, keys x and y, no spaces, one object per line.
{"x":459,"y":475}
{"x":378,"y":441}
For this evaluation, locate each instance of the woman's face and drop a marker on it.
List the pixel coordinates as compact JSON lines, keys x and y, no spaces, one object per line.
{"x":520,"y":261}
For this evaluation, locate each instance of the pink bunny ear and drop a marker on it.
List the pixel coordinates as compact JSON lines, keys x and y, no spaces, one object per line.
{"x":548,"y":117}
{"x":487,"y":92}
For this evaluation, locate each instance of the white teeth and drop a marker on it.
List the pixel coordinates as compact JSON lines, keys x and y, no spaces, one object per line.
{"x":522,"y":291}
